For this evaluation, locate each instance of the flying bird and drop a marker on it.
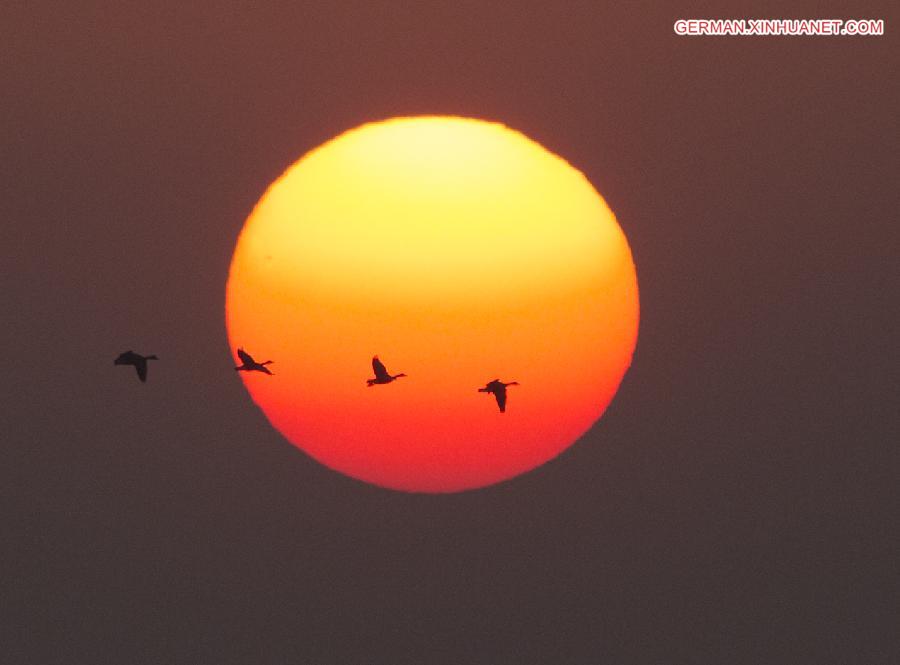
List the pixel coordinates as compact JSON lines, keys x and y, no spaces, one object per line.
{"x":250,"y":365}
{"x":498,"y":388}
{"x":381,"y":373}
{"x":136,"y":359}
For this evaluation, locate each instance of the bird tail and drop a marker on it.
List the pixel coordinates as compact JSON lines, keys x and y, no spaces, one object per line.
{"x":483,"y":390}
{"x":370,"y":383}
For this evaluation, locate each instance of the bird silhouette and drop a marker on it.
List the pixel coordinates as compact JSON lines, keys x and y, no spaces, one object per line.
{"x":136,"y":359}
{"x":250,"y":365}
{"x":498,"y":389}
{"x":381,"y":373}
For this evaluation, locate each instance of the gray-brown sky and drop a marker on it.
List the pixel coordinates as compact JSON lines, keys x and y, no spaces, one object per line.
{"x":732,"y":506}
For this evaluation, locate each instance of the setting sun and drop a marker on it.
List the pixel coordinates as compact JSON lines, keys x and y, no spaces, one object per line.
{"x":459,"y":252}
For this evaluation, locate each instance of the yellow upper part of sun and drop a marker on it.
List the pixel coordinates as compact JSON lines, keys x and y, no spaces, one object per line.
{"x":476,"y":211}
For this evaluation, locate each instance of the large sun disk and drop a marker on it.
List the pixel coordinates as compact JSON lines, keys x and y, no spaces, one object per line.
{"x":458,"y":250}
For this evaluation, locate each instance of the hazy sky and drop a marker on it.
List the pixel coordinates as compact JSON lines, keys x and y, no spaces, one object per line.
{"x":733,"y":505}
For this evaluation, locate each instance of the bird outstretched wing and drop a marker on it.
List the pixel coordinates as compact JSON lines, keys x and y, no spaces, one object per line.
{"x":124,"y":358}
{"x":500,"y":394}
{"x":245,"y":357}
{"x":140,"y":364}
{"x":379,"y":368}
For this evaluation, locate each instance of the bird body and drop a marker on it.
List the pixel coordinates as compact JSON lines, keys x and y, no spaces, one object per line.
{"x":381,"y":373}
{"x":250,"y":365}
{"x":138,"y":361}
{"x":498,"y":389}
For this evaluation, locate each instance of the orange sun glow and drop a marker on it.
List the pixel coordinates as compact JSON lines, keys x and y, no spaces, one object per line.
{"x":458,"y":251}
